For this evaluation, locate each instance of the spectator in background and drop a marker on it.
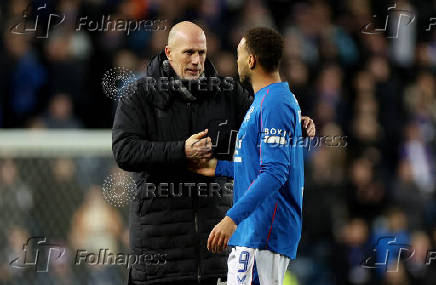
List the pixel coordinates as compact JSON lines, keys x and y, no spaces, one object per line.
{"x":351,"y":250}
{"x":394,"y":226}
{"x":68,"y":52}
{"x":366,"y":195}
{"x":420,"y":157}
{"x":431,"y":270}
{"x":27,"y":76}
{"x":96,"y":225}
{"x":11,"y":249}
{"x":60,"y":271}
{"x":16,"y":197}
{"x":420,"y":104}
{"x":407,"y":196}
{"x":60,"y":113}
{"x":397,"y":277}
{"x":330,"y":97}
{"x":226,"y":65}
{"x":62,"y":178}
{"x":418,"y":271}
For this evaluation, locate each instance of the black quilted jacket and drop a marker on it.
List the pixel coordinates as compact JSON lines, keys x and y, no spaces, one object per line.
{"x":148,"y":136}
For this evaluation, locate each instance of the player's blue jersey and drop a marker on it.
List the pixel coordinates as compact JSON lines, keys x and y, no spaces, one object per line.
{"x":268,"y":171}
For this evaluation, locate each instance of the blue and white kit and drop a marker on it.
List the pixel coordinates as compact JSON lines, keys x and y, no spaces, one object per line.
{"x":268,"y":172}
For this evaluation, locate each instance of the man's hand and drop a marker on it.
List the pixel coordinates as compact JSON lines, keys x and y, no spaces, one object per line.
{"x":205,"y":167}
{"x":220,"y":235}
{"x":308,"y":125}
{"x":198,"y":146}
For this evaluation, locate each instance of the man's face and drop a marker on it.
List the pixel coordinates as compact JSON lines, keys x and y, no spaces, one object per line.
{"x":243,"y":61}
{"x":187,"y":55}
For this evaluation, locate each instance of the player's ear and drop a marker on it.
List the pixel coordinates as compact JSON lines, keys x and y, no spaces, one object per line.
{"x":168,"y":52}
{"x":251,"y":61}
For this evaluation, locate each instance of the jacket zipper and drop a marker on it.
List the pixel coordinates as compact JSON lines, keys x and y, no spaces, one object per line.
{"x":188,"y":108}
{"x":196,"y":231}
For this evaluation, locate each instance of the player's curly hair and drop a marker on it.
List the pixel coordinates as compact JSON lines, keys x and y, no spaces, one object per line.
{"x":266,"y":45}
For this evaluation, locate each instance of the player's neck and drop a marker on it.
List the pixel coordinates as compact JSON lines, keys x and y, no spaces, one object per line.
{"x":260,"y":80}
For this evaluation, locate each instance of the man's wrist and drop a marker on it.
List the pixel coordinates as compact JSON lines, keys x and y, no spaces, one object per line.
{"x":182,"y":152}
{"x":230,"y":220}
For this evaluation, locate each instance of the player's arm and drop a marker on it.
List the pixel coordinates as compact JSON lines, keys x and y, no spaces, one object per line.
{"x":274,"y":158}
{"x":274,"y":165}
{"x":224,"y":168}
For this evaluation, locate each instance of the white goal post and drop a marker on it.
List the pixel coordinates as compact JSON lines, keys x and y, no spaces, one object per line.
{"x":53,"y":142}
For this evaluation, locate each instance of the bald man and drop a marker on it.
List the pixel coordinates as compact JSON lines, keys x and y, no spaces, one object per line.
{"x":186,"y":50}
{"x":183,"y":112}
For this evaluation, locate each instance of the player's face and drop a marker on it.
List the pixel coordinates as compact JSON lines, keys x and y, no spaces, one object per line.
{"x":188,"y":56}
{"x":243,"y":56}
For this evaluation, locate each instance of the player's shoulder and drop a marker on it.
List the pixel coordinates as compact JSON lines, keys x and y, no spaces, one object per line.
{"x":280,"y":95}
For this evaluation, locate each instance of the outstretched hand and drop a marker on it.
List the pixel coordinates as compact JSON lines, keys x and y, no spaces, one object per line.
{"x":220,"y":235}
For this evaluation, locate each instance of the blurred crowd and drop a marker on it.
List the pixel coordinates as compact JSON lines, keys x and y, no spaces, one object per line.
{"x":376,"y":88}
{"x":58,"y":201}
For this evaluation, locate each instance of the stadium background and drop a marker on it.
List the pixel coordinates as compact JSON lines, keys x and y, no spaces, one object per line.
{"x":367,"y":85}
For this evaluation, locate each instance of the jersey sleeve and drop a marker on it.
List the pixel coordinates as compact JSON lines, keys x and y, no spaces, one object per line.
{"x":277,"y":124}
{"x":224,"y":168}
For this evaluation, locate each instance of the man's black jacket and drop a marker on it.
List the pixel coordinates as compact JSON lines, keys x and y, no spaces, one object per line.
{"x":148,"y":138}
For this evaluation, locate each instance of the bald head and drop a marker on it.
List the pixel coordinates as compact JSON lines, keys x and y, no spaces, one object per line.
{"x":184,"y":30}
{"x":186,"y":49}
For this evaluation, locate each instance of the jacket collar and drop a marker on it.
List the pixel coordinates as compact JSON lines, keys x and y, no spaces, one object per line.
{"x":159,"y":67}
